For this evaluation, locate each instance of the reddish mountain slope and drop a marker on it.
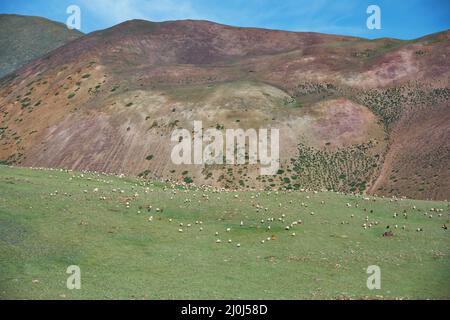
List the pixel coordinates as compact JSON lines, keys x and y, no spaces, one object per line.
{"x":349,"y":110}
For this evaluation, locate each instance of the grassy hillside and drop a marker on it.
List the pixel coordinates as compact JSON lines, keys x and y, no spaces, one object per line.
{"x":24,"y":38}
{"x":50,"y":219}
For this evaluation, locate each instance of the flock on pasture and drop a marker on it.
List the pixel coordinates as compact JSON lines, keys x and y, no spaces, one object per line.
{"x":289,"y":226}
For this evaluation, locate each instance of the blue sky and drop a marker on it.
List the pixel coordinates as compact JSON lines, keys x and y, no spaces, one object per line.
{"x":403,"y":19}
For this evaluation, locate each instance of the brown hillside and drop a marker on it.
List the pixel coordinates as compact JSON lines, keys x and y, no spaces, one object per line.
{"x":349,"y":110}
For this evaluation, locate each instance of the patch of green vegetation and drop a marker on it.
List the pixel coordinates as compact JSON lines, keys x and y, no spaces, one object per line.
{"x":392,"y":102}
{"x":436,"y":39}
{"x":388,"y":46}
{"x":149,"y":157}
{"x":188,"y":180}
{"x":291,"y":102}
{"x":346,"y":169}
{"x":144,"y":173}
{"x":71,"y":95}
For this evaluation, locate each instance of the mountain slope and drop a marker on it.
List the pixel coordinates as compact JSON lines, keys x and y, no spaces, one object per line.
{"x":24,"y":38}
{"x":109,"y":101}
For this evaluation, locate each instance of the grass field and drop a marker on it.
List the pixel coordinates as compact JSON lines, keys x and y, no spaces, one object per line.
{"x":51,"y":219}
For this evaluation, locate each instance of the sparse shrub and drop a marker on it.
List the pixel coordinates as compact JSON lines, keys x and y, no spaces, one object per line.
{"x":144,"y":173}
{"x":188,"y":180}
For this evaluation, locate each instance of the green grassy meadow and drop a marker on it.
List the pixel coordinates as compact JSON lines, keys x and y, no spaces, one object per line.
{"x":51,"y":219}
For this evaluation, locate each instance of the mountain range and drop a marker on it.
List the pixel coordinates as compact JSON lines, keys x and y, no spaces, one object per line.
{"x":355,"y":115}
